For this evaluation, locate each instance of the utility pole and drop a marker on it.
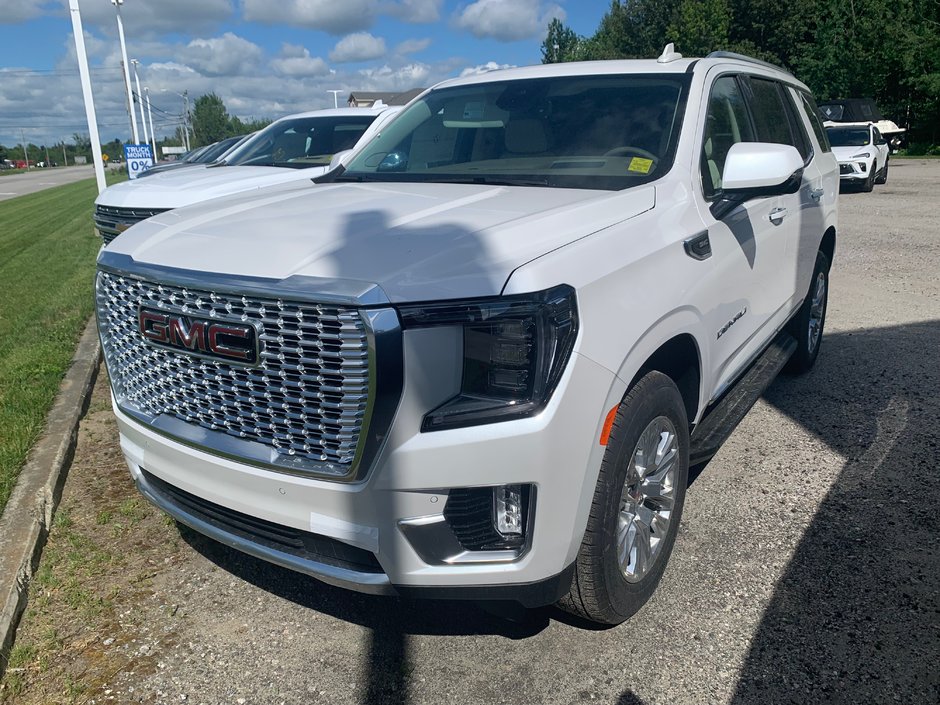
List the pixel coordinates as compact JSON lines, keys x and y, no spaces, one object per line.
{"x":65,"y":159}
{"x":335,"y":100}
{"x":186,"y":118}
{"x":48,"y":161}
{"x":127,"y":74}
{"x":86,"y":93}
{"x":25,"y":153}
{"x":140,"y":101}
{"x":153,"y":135}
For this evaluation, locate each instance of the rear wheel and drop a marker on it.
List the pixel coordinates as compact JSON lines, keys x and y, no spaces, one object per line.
{"x":637,"y":505}
{"x":807,"y":325}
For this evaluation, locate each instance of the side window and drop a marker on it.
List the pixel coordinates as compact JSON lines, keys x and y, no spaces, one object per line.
{"x":726,"y":124}
{"x":800,"y":137}
{"x":770,"y":116}
{"x":812,"y":112}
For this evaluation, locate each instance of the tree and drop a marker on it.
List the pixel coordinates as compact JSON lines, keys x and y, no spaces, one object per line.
{"x":701,"y":26}
{"x":211,"y":121}
{"x":561,"y":43}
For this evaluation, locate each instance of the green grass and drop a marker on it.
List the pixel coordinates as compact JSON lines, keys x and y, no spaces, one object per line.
{"x":47,"y":263}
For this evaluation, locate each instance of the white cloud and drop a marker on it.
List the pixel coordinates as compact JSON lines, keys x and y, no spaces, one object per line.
{"x":147,"y":19}
{"x":417,"y":11}
{"x":412,"y":46}
{"x":507,"y":20}
{"x":360,"y":46}
{"x":228,"y":55}
{"x":413,"y":75}
{"x":333,"y":16}
{"x":16,"y":11}
{"x":296,"y":61}
{"x":484,"y":68}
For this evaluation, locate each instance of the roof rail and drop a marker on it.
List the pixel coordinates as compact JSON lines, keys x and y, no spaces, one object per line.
{"x":743,"y":57}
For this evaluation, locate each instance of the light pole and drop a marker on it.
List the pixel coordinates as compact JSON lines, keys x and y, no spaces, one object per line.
{"x":335,"y":102}
{"x":153,"y":136}
{"x":140,"y":99}
{"x":76,"y":14}
{"x":127,"y":74}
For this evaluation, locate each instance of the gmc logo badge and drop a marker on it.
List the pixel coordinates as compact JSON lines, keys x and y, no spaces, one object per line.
{"x":232,"y":342}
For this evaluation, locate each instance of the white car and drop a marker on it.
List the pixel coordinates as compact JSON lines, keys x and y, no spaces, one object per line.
{"x":293,"y":148}
{"x":478,"y":360}
{"x":862,"y":152}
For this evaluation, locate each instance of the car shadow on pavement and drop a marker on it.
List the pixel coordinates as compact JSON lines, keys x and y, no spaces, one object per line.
{"x":856,"y":616}
{"x":390,"y":620}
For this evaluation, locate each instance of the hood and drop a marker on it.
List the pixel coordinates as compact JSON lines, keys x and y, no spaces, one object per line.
{"x":415,"y":242}
{"x":182,"y":187}
{"x":845,"y":154}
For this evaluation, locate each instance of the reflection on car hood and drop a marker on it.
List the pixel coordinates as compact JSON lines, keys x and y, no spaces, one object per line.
{"x":414,"y":241}
{"x":183,"y":187}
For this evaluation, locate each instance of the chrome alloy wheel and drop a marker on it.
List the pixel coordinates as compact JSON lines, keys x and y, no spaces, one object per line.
{"x":648,"y":497}
{"x":817,"y":310}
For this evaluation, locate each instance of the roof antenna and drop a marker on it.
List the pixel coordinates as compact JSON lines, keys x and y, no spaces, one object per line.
{"x":669,"y":54}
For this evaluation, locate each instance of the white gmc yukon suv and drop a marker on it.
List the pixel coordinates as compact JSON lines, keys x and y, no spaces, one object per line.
{"x":478,"y":361}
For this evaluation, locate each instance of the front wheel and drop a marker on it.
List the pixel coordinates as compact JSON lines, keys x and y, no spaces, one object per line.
{"x":807,"y":325}
{"x":869,"y":183}
{"x":637,"y":505}
{"x":883,"y":176}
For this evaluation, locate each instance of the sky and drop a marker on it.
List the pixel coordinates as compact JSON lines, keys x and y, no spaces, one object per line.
{"x":264,"y":58}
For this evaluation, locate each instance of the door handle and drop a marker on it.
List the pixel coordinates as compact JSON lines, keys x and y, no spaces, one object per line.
{"x":777,"y":215}
{"x":816,"y":194}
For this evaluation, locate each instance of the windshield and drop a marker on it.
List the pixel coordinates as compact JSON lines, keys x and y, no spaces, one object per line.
{"x":301,"y":142}
{"x":597,"y":132}
{"x":214,"y":151}
{"x":848,"y":137}
{"x":191,"y":157}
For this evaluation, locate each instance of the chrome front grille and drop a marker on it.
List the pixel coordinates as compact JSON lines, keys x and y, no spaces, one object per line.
{"x":111,"y":221}
{"x":305,"y":402}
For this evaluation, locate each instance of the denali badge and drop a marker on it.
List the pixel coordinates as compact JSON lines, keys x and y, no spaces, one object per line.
{"x":218,"y":339}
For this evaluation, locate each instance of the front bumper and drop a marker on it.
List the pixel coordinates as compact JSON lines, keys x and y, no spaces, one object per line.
{"x":855,"y":169}
{"x":557,"y":453}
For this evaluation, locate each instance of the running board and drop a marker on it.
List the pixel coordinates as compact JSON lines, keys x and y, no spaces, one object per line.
{"x":721,"y":420}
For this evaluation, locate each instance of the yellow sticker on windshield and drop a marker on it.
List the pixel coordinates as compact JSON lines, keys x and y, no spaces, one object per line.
{"x":640,"y":165}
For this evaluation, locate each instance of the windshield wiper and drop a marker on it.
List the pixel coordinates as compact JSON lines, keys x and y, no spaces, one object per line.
{"x":215,"y":164}
{"x":491,"y":181}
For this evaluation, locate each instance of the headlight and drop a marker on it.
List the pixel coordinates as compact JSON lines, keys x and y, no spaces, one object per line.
{"x":863,"y":155}
{"x":515,"y":349}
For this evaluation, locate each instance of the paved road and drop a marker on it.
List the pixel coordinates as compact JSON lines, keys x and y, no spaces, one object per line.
{"x":14,"y":185}
{"x":806,"y":570}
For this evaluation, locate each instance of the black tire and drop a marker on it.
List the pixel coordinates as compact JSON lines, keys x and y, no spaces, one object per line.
{"x":600,"y":591}
{"x":807,"y":345}
{"x":883,"y":175}
{"x":869,"y":184}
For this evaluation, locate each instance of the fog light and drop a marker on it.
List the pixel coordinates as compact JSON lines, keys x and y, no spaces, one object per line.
{"x":507,"y":506}
{"x":863,"y":166}
{"x":490,"y":518}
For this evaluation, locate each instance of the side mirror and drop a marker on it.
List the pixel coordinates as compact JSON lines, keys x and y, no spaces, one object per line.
{"x":338,"y":159}
{"x":756,"y":170}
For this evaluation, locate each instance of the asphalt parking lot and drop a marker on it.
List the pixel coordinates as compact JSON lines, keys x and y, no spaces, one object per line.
{"x":806,"y":570}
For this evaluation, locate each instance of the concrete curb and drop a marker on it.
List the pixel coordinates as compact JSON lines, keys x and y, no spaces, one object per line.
{"x":25,"y":522}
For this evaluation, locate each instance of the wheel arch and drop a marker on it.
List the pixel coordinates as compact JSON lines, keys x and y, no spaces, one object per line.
{"x":679,"y":359}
